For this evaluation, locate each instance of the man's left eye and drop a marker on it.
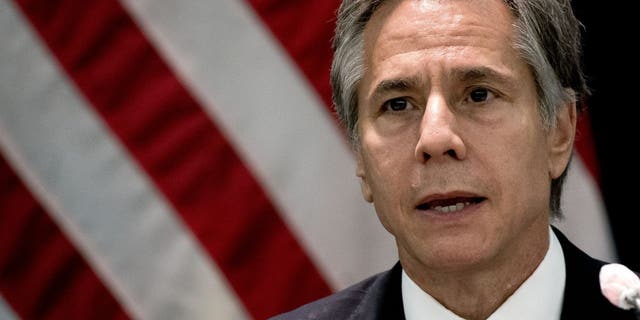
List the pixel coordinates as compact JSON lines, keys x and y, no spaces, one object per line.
{"x":479,"y":95}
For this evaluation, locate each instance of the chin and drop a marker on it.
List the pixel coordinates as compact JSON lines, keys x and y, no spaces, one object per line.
{"x":461,"y":254}
{"x":459,"y":261}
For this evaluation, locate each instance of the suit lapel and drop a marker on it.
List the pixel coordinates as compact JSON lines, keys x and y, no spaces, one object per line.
{"x":384,"y":299}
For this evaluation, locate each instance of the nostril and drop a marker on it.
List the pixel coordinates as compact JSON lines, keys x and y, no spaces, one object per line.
{"x":452,"y":153}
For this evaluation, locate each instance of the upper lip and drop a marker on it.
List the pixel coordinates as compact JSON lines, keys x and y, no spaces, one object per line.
{"x":457,"y":196}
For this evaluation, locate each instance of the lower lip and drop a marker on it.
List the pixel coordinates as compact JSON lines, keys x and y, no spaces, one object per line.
{"x":452,"y":216}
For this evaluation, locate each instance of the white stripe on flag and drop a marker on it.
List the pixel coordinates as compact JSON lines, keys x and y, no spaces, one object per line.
{"x":278,"y":125}
{"x":586,"y":222}
{"x":96,"y":193}
{"x":6,"y":313}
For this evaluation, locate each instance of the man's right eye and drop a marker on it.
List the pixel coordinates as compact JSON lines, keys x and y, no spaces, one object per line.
{"x":396,"y":104}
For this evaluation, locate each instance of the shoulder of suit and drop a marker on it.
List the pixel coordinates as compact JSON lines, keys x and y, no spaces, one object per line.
{"x":340,"y":304}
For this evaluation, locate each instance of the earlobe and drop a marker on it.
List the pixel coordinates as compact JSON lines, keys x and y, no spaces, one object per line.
{"x":361,"y":173}
{"x":561,"y":139}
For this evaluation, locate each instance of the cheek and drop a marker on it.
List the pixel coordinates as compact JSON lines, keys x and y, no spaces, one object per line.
{"x":387,"y":169}
{"x":384,"y":172}
{"x":520,"y":164}
{"x":387,"y":159}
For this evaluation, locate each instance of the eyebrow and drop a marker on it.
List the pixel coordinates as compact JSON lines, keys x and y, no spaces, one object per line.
{"x":464,"y":75}
{"x":395,"y":85}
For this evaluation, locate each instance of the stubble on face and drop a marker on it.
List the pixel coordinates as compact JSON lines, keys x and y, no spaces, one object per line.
{"x":453,"y":153}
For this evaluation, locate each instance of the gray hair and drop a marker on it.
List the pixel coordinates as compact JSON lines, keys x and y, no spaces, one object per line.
{"x":547,"y":38}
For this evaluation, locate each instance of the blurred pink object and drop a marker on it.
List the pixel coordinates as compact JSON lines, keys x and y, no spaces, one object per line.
{"x":620,"y":286}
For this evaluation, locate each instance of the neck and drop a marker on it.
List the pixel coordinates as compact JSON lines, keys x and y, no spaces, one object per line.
{"x":475,"y":292}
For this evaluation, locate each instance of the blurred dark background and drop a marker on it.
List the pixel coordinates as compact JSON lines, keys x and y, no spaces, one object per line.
{"x":612,"y":71}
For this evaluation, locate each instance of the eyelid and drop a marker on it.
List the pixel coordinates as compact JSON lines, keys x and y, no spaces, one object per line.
{"x":496,"y":92}
{"x":492,"y":94}
{"x":385,"y":105}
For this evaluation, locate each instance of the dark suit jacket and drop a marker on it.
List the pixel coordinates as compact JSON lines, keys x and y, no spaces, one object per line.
{"x":380,"y":296}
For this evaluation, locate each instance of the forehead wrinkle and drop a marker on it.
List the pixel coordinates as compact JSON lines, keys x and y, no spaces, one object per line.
{"x":456,"y":28}
{"x":480,"y":73}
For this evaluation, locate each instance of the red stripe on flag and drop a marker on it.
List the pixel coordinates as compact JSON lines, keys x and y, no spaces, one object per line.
{"x":305,"y":29}
{"x":585,"y":146}
{"x":175,"y":142}
{"x":42,"y":276}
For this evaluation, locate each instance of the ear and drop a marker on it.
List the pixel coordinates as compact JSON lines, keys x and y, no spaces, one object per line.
{"x":560,"y":139}
{"x":361,"y":173}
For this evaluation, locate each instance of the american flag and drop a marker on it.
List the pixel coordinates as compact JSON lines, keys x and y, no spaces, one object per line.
{"x":181,"y":160}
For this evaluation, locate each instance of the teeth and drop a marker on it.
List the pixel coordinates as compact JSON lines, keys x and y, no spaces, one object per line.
{"x":452,"y":208}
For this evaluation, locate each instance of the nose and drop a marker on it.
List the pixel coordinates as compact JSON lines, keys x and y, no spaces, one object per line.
{"x":438,"y":137}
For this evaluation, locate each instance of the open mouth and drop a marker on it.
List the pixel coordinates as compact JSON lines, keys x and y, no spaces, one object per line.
{"x":450,"y":205}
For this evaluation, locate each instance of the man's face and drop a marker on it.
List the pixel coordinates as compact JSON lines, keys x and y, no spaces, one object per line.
{"x":453,"y":153}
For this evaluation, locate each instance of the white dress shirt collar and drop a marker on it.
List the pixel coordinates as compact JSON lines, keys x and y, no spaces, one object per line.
{"x":539,"y":297}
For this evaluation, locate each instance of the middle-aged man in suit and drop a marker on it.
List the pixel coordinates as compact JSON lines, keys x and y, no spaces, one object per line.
{"x":462,"y":114}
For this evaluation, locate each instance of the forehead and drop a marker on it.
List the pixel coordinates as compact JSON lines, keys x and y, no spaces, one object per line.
{"x":442,"y":15}
{"x":450,"y":26}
